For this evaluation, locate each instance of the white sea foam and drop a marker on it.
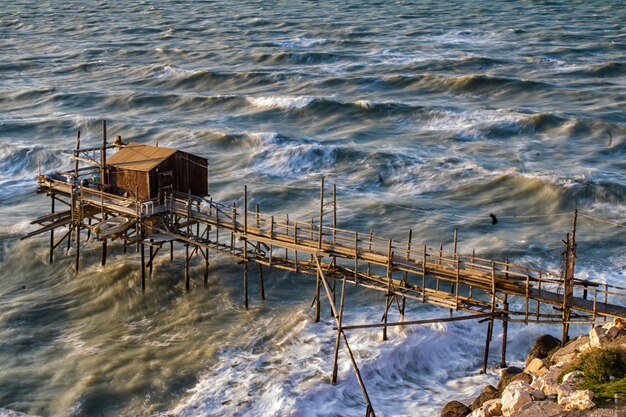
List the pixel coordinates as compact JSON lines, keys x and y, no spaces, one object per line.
{"x":172,"y":71}
{"x":471,"y":124}
{"x":301,"y":42}
{"x":287,"y":158}
{"x":280,"y":102}
{"x":420,"y":368}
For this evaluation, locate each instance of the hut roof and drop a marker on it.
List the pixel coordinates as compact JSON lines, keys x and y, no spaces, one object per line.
{"x":139,"y":157}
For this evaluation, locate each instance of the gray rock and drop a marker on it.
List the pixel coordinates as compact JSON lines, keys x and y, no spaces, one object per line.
{"x":455,"y":409}
{"x":539,"y":408}
{"x":511,"y":374}
{"x":488,"y":393}
{"x":542,"y":347}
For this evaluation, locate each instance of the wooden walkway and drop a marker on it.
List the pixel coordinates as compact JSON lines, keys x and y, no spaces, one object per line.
{"x":403,"y":271}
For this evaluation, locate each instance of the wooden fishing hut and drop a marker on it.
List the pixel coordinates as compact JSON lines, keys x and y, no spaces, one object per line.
{"x":146,"y":172}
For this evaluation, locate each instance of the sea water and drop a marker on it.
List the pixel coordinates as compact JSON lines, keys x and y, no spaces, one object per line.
{"x":426,"y":115}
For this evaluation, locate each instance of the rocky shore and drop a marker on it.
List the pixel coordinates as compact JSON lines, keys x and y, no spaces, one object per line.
{"x":552,"y":382}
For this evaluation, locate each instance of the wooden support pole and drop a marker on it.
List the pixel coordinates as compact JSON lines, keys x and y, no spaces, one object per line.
{"x":405,"y":277}
{"x":245,"y":212}
{"x":143,"y":267}
{"x":490,"y":324}
{"x":171,"y":251}
{"x":187,"y":279}
{"x":261,"y":285}
{"x":568,"y":279}
{"x":206,"y":267}
{"x":369,"y":248}
{"x":505,"y":326}
{"x":388,"y":293}
{"x":151,"y":260}
{"x":77,"y":227}
{"x":456,"y":237}
{"x":334,"y":213}
{"x":339,"y":331}
{"x":52,"y":230}
{"x":245,"y":278}
{"x":318,"y":284}
{"x":76,"y":156}
{"x":356,"y":257}
{"x":321,"y":233}
{"x":103,"y":163}
{"x":424,"y":275}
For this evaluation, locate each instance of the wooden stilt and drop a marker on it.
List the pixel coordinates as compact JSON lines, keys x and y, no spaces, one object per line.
{"x":52,"y":231}
{"x":103,"y":182}
{"x":77,"y":227}
{"x":388,"y":294}
{"x":334,"y":213}
{"x":505,"y":326}
{"x":318,"y":284}
{"x":151,"y":259}
{"x":321,"y":233}
{"x":143,"y":267}
{"x":261,"y":285}
{"x":187,"y":279}
{"x":245,"y":283}
{"x":339,"y":331}
{"x":405,"y":277}
{"x":206,"y":268}
{"x":490,"y":324}
{"x":171,"y":251}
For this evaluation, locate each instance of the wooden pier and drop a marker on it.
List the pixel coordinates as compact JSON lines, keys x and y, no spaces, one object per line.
{"x":338,"y":259}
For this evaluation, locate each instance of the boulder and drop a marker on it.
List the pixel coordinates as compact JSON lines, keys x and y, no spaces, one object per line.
{"x":488,"y":393}
{"x":539,"y":408}
{"x":490,"y":408}
{"x":538,"y":395}
{"x":515,"y":395}
{"x":597,"y":336}
{"x":577,"y":400}
{"x":570,"y":351}
{"x":542,"y":347}
{"x":549,"y":383}
{"x":455,"y":409}
{"x":537,"y":367}
{"x":511,"y":374}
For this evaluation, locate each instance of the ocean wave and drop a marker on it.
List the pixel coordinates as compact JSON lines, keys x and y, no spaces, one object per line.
{"x":301,"y":42}
{"x":604,"y":70}
{"x":413,"y":367}
{"x":281,"y":157}
{"x":280,"y":102}
{"x":299,"y":58}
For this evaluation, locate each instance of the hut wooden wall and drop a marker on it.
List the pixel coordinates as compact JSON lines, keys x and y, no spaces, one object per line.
{"x":136,"y":183}
{"x":190,"y":173}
